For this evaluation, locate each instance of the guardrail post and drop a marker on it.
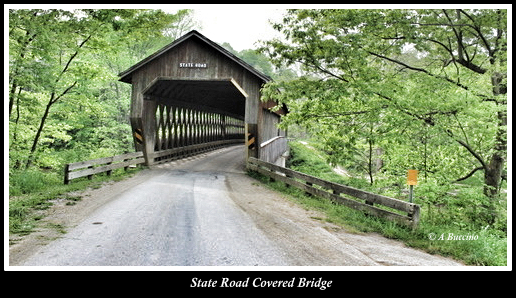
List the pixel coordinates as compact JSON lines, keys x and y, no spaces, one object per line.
{"x":108,"y":172}
{"x":309,"y":184}
{"x":90,"y":176}
{"x":66,"y":179}
{"x":415,"y":216}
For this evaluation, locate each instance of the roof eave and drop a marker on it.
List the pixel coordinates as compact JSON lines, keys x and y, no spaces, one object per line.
{"x":126,"y":77}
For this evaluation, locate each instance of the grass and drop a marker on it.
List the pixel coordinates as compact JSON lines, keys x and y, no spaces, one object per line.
{"x":489,"y":248}
{"x":31,"y":191}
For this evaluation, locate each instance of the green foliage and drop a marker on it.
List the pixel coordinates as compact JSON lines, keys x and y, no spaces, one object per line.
{"x":446,"y":209}
{"x":426,"y":89}
{"x":31,"y":180}
{"x":65,"y":101}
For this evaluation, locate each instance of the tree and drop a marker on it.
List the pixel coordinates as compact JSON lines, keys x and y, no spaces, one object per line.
{"x":455,"y":80}
{"x":51,"y":55}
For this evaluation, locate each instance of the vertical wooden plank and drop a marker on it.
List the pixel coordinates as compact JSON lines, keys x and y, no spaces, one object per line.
{"x":149,"y":130}
{"x":189,"y":126}
{"x":197,"y":127}
{"x":180,"y":127}
{"x":90,"y":176}
{"x":168,"y":127}
{"x":250,"y":140}
{"x":66,"y":176}
{"x":201,"y":127}
{"x":174,"y":121}
{"x":108,"y":172}
{"x":162,"y":124}
{"x":415,"y":216}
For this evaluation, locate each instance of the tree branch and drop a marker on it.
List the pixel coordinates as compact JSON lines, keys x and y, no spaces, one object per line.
{"x":419,"y":70}
{"x":54,"y":100}
{"x":469,"y":175}
{"x":475,"y":154}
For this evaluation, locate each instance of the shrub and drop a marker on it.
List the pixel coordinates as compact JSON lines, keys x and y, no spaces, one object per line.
{"x":28,"y":181}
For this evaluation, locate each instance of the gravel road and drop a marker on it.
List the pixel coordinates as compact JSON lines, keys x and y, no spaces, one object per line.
{"x":201,"y":211}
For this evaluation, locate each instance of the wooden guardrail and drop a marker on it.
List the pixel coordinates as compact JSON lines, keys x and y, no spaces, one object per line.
{"x":100,"y":165}
{"x":361,"y":200}
{"x":181,"y":152}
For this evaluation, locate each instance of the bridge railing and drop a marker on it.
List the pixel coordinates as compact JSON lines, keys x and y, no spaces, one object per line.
{"x":272,"y":149}
{"x":100,"y":165}
{"x":355,"y":198}
{"x":185,"y":151}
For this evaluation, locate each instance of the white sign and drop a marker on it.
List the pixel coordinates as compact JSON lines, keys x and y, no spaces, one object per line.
{"x":192,"y":65}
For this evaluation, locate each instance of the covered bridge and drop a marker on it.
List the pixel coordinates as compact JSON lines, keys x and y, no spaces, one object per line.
{"x":193,"y":95}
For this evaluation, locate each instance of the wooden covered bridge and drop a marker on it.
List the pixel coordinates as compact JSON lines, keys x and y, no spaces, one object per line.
{"x":193,"y":95}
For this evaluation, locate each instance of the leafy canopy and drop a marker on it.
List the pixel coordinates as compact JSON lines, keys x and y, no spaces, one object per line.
{"x":384,"y":77}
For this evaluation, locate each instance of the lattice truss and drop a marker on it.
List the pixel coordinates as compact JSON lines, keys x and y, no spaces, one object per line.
{"x":179,"y":126}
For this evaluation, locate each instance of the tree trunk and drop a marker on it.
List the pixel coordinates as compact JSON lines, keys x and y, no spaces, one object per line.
{"x":493,"y":171}
{"x":493,"y":176}
{"x":53,"y":99}
{"x":38,"y":133}
{"x":370,"y":162}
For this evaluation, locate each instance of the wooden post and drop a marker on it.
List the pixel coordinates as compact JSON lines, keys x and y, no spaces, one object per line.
{"x":251,"y":140}
{"x":108,"y":173}
{"x":415,"y":216}
{"x":309,"y":184}
{"x":223,"y":127}
{"x":90,"y":176}
{"x":66,"y":170}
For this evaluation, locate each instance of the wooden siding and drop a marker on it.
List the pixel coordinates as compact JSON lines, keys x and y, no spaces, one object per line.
{"x":222,"y":84}
{"x":218,"y":67}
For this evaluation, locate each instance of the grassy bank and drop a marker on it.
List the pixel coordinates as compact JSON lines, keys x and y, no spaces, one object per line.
{"x":31,"y":191}
{"x":445,"y":231}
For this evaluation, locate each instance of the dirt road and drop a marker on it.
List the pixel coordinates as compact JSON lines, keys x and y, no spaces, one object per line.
{"x":201,"y":211}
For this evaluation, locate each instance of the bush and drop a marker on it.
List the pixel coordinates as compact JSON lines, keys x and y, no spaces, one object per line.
{"x":29,"y":181}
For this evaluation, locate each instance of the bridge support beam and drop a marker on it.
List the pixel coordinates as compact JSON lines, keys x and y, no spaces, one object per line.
{"x":251,"y":141}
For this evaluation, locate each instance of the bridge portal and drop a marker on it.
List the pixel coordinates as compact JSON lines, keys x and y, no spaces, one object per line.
{"x":193,"y":95}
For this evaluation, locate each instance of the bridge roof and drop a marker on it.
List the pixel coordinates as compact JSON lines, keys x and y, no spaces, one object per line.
{"x":126,"y":76}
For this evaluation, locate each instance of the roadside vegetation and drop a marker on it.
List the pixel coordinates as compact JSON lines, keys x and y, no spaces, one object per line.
{"x":383,"y":91}
{"x":454,"y":214}
{"x":33,"y":191}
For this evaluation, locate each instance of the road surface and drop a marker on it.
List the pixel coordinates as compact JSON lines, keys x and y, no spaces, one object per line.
{"x":203,"y":211}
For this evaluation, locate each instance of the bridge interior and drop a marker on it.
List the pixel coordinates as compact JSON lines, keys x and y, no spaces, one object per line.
{"x":196,"y":115}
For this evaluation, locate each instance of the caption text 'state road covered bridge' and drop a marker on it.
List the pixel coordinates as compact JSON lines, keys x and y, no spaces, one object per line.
{"x":193,"y":95}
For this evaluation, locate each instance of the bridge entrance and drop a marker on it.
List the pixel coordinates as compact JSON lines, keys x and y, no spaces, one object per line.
{"x":193,"y":95}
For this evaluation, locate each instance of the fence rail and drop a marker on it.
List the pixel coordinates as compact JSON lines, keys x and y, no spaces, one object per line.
{"x":180,"y":152}
{"x":100,"y":165}
{"x":362,"y":200}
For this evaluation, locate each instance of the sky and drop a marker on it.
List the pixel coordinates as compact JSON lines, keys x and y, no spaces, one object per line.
{"x":239,"y":25}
